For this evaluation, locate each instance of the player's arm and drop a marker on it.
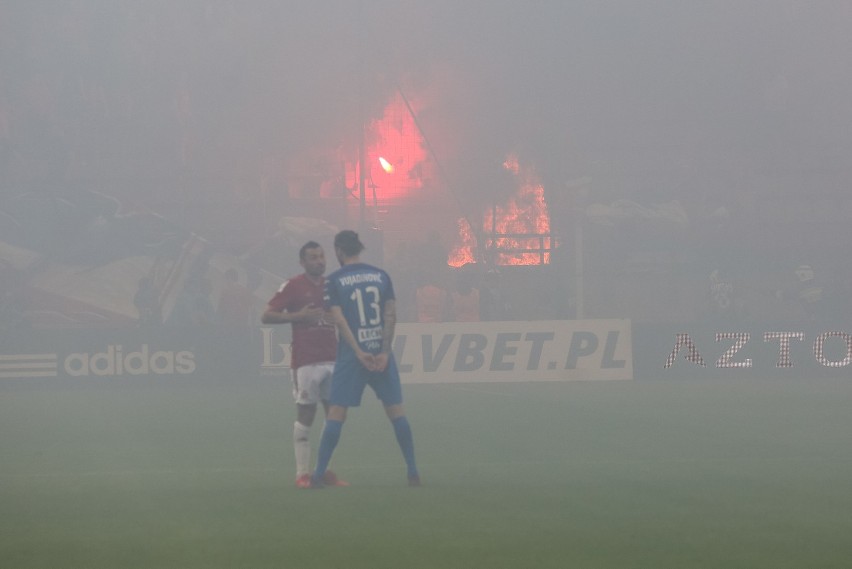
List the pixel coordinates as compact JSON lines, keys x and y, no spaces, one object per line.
{"x":388,"y":330}
{"x":348,"y":336}
{"x":306,"y":313}
{"x":272,"y":316}
{"x":276,"y":312}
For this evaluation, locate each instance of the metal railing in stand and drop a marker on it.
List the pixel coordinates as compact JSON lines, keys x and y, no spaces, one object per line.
{"x":517,"y":245}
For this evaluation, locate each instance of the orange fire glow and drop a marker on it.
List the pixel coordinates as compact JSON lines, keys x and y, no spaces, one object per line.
{"x":463,"y":254}
{"x":396,"y":145}
{"x":516,"y":232}
{"x":386,"y":166}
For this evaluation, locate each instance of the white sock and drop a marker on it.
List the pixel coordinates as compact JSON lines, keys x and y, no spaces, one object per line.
{"x":302,"y":446}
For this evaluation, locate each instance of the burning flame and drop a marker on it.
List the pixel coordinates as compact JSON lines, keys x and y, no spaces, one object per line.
{"x":386,"y":166}
{"x":516,"y":232}
{"x":512,"y":165}
{"x":463,"y":254}
{"x":396,"y":144}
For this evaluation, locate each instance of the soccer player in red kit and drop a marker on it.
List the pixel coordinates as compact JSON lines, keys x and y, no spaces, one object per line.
{"x":299,"y":303}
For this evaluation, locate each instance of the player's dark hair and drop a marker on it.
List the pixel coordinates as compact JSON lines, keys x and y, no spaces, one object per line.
{"x":309,"y":245}
{"x":348,"y":242}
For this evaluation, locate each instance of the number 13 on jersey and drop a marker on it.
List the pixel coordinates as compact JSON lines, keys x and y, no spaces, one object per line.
{"x":372,"y":305}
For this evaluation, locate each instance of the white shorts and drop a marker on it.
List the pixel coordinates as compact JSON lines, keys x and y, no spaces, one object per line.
{"x":312,"y":382}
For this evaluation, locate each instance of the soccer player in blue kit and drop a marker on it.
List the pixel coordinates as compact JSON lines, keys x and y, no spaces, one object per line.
{"x":363,"y":306}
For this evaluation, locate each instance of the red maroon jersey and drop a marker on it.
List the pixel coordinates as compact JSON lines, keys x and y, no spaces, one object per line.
{"x":313,"y":342}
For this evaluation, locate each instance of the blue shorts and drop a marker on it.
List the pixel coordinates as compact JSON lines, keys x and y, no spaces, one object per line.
{"x":350,"y":378}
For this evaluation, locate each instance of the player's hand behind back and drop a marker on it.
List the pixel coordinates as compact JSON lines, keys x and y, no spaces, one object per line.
{"x":380,"y":362}
{"x":367,"y":360}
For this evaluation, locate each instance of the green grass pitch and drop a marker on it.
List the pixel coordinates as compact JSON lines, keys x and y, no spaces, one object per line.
{"x":628,"y":474}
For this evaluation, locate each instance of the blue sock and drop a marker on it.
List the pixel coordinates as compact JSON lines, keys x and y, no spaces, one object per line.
{"x":402,"y":429}
{"x":328,"y":442}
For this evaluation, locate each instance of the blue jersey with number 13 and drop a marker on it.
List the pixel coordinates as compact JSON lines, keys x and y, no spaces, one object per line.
{"x":360,"y":290}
